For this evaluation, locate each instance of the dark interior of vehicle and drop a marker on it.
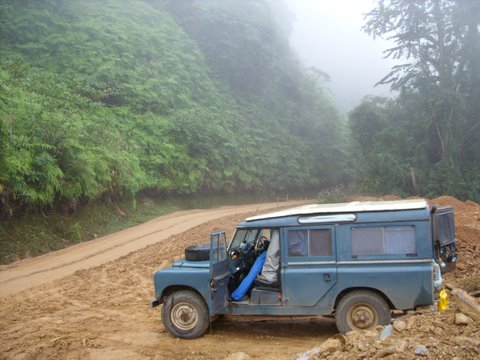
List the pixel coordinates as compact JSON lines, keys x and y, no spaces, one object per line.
{"x":247,"y":246}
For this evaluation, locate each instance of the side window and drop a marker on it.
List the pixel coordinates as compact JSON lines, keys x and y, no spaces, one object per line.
{"x":310,"y":242}
{"x":298,"y":243}
{"x":388,"y":240}
{"x":367,"y":241}
{"x":320,"y":243}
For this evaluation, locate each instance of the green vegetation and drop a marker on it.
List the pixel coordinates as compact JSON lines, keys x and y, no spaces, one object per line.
{"x":107,"y":100}
{"x":115,"y":101}
{"x":427,"y":140}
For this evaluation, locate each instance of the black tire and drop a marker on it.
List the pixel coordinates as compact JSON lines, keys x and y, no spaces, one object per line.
{"x":185,"y":314}
{"x":198,"y":252}
{"x":361,"y":310}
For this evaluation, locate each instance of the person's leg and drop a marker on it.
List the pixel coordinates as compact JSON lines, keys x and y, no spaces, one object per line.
{"x":270,"y":268}
{"x":247,"y":282}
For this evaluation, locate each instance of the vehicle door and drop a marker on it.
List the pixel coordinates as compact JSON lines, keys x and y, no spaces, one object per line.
{"x":309,"y":266}
{"x":219,"y":273}
{"x":445,"y":245}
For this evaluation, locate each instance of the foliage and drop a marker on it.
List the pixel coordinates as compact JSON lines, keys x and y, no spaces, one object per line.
{"x":107,"y":100}
{"x":381,"y":157}
{"x":433,"y":127}
{"x":248,"y":51}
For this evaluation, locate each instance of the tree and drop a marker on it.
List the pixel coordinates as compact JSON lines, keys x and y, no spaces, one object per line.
{"x":439,"y":80}
{"x":157,"y":96}
{"x":379,"y":138}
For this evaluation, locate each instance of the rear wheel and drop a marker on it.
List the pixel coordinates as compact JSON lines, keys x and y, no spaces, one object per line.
{"x":361,"y":310}
{"x":185,"y":314}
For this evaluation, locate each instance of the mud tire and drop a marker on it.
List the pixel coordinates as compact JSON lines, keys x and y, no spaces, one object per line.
{"x":185,"y":314}
{"x":361,"y":310}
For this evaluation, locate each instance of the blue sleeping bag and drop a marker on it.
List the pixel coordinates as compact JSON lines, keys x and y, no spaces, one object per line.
{"x":246,"y":283}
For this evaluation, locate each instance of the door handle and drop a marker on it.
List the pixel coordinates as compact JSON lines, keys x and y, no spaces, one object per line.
{"x":326,"y":278}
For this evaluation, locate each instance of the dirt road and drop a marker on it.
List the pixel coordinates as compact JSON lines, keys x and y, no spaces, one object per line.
{"x":55,"y":265}
{"x":90,"y":301}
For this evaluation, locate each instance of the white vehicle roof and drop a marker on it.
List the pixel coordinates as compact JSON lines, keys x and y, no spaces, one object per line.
{"x":352,"y":207}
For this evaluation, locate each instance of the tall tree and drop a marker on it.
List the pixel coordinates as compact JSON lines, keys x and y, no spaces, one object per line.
{"x":438,"y":81}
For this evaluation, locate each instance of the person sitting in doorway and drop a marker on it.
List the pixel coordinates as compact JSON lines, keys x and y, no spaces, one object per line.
{"x":248,"y":281}
{"x":269,"y":274}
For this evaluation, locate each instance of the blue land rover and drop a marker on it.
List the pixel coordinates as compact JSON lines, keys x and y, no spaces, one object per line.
{"x":356,"y":261}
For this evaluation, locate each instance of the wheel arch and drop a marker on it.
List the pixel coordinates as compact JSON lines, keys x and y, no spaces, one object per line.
{"x":174,"y":288}
{"x":376,"y":291}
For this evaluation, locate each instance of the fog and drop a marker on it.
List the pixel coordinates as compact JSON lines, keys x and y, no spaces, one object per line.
{"x":327,"y":35}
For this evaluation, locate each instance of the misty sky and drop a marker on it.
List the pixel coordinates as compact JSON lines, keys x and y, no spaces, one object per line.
{"x":327,"y":35}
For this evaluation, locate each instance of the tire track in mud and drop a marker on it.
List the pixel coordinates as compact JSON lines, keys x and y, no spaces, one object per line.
{"x":27,"y":273}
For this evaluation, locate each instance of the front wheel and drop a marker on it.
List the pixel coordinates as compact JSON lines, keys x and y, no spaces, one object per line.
{"x":185,"y":314}
{"x":361,"y":310}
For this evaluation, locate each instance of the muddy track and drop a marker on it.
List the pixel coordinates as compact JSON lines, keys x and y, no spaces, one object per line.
{"x":91,"y":301}
{"x":24,"y":274}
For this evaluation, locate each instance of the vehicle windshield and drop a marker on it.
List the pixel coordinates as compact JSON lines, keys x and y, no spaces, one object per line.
{"x":242,"y":236}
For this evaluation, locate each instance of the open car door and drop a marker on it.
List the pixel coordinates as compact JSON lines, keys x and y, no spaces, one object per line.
{"x":219,"y":272}
{"x":444,"y":239}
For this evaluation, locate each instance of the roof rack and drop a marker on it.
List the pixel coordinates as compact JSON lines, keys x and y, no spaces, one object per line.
{"x":339,"y":208}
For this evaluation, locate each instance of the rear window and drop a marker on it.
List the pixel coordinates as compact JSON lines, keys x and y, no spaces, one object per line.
{"x":383,"y":240}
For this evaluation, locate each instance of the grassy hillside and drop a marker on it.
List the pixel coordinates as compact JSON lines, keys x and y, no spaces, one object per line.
{"x":104,"y":103}
{"x":119,"y":97}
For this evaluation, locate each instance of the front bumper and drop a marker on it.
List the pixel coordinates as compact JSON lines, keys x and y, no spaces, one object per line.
{"x":154,"y":303}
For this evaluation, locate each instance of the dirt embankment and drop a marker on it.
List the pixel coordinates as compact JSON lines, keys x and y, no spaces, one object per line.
{"x":102,"y":312}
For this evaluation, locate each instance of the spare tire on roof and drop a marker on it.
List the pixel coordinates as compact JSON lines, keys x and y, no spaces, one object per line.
{"x":198,"y":252}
